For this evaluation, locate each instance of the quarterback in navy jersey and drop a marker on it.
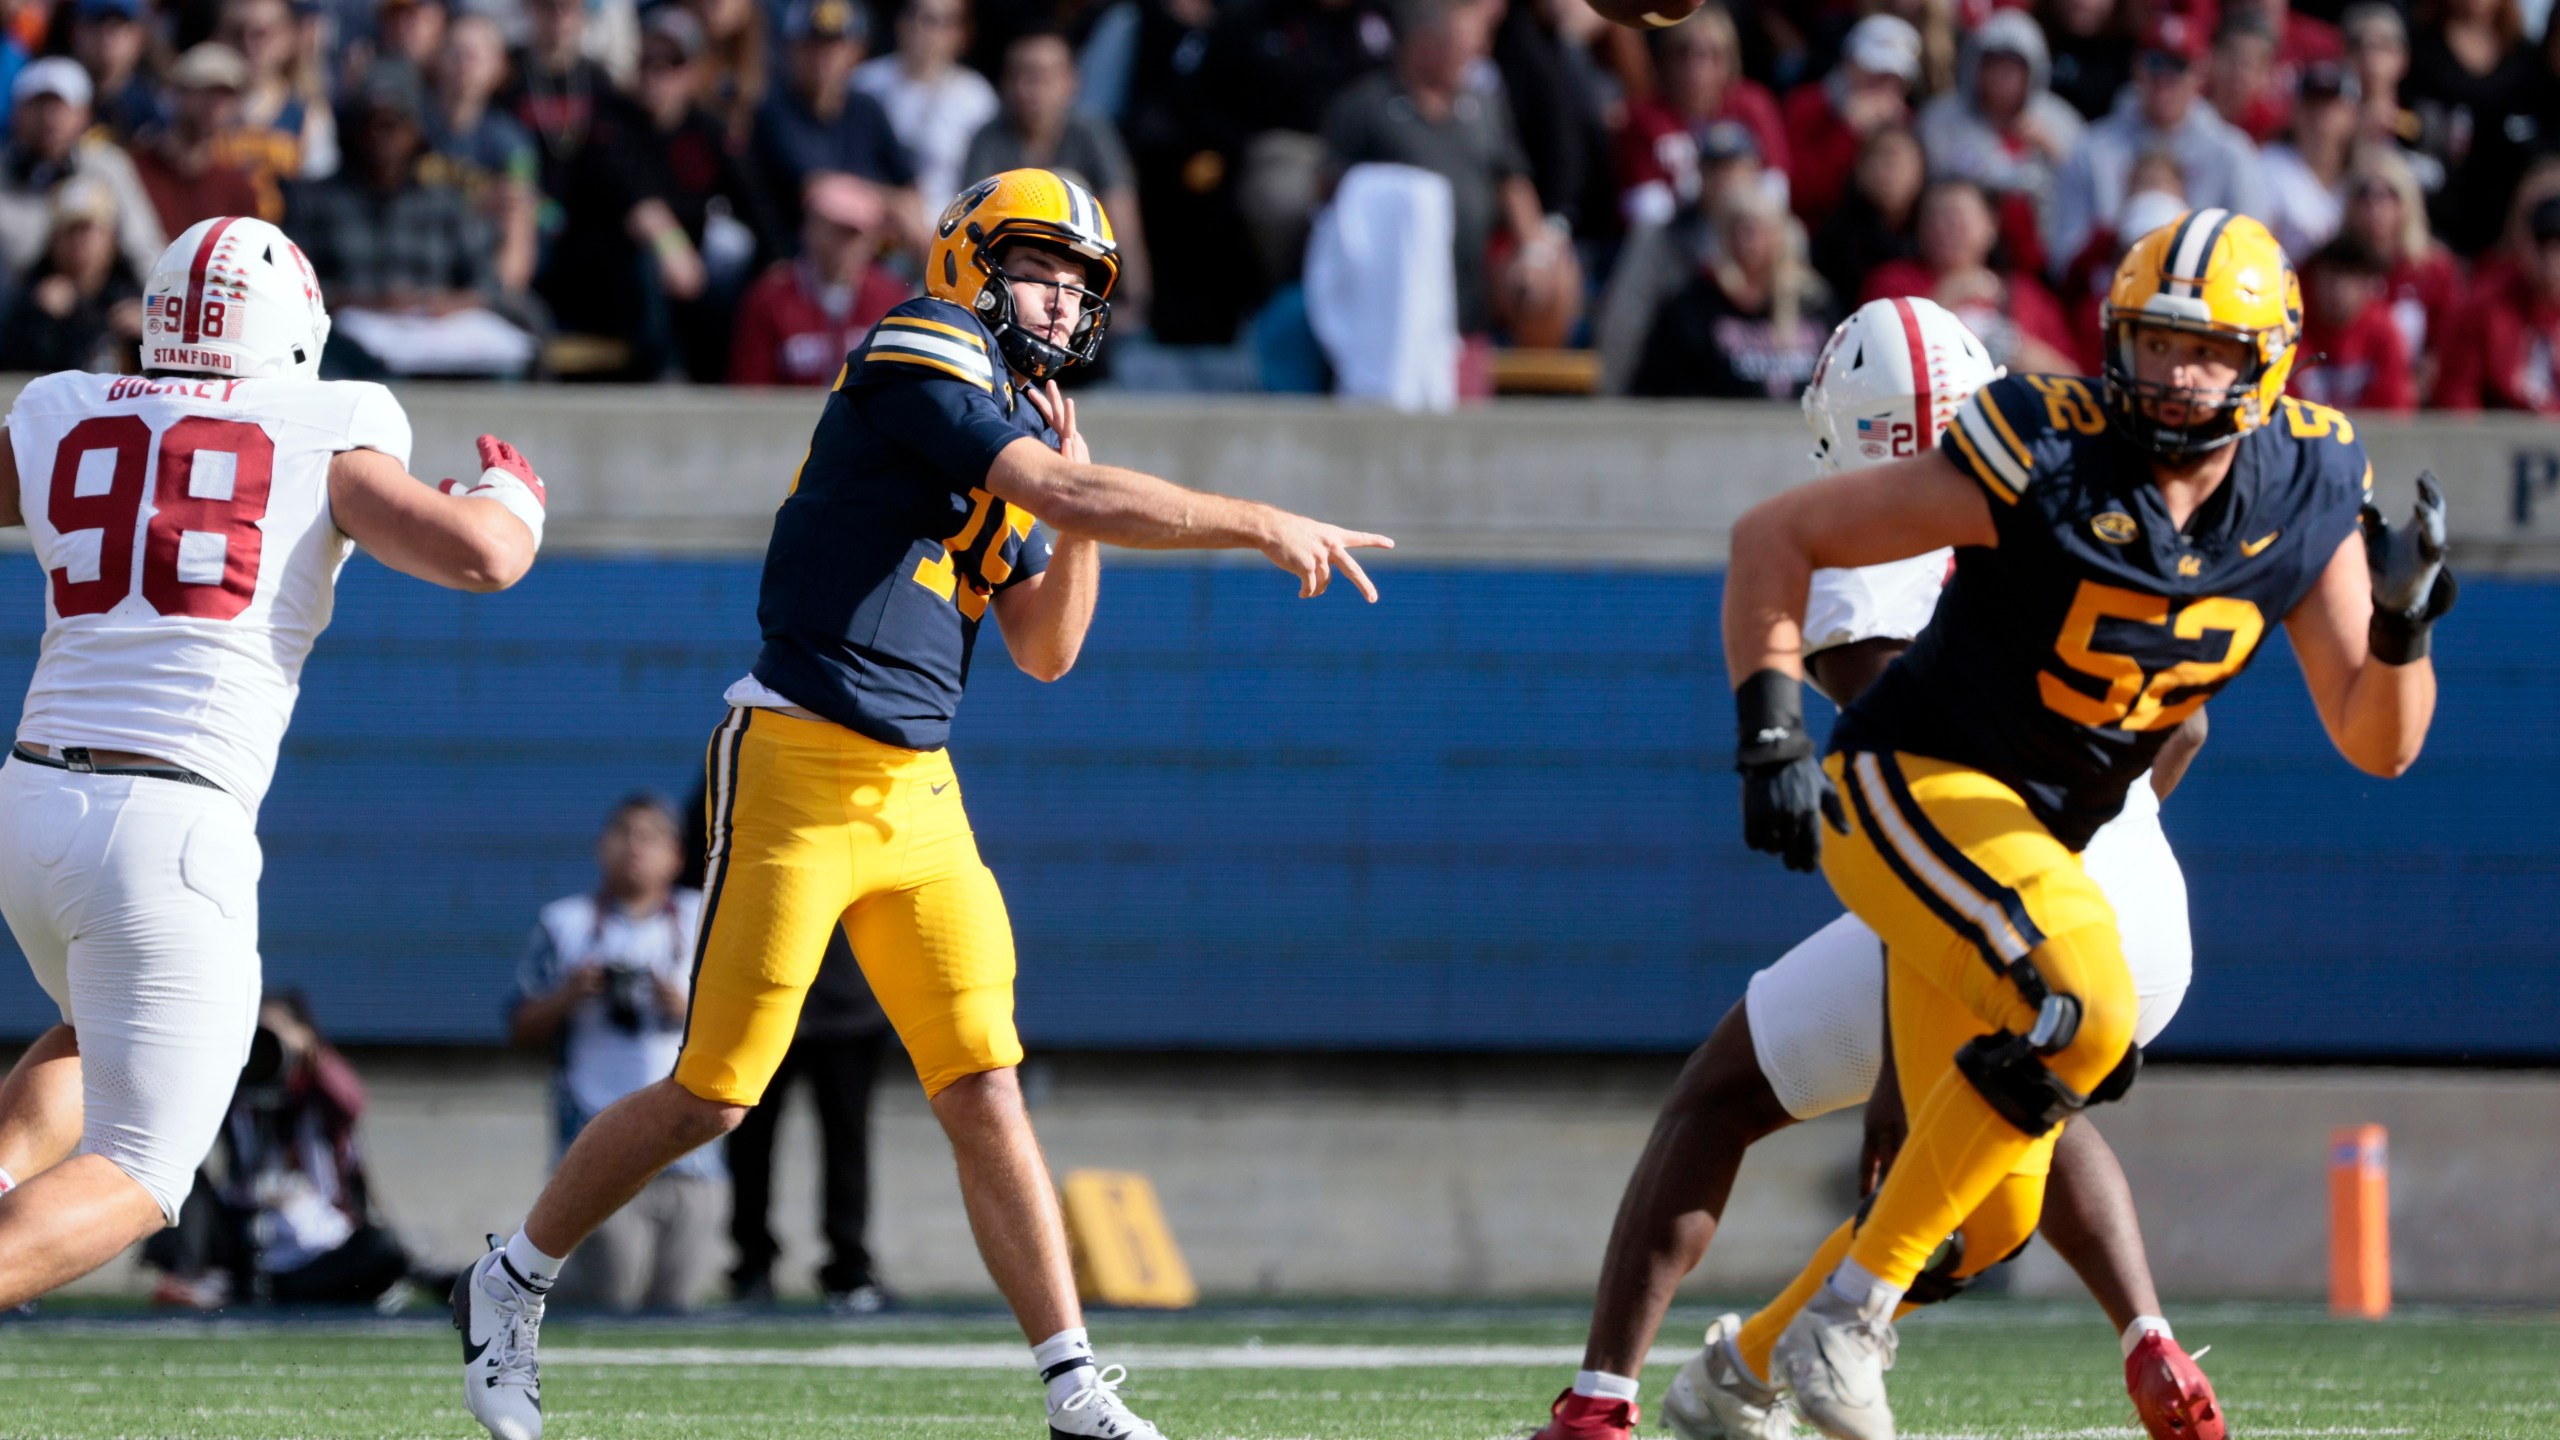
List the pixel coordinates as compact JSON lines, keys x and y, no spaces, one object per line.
{"x":832,"y":800}
{"x":2123,"y":545}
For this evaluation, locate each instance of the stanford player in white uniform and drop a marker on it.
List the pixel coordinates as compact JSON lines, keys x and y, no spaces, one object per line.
{"x":1809,"y":1035}
{"x":191,"y":523}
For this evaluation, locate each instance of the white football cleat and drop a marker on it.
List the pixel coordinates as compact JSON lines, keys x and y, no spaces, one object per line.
{"x":501,"y":1324}
{"x":1096,"y":1412}
{"x":1713,"y":1396}
{"x":1833,"y":1357}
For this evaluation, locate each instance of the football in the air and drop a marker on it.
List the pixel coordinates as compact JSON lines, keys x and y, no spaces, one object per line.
{"x":1645,"y":14}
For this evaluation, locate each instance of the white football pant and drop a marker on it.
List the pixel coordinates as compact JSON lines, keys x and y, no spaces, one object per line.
{"x":136,"y":903}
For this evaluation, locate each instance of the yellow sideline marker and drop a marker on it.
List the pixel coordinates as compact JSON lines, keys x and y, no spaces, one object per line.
{"x":1124,"y":1252}
{"x":2359,"y":1222}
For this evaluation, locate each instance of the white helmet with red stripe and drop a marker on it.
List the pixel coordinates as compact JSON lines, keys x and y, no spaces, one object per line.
{"x":233,"y":297}
{"x":1889,"y":381}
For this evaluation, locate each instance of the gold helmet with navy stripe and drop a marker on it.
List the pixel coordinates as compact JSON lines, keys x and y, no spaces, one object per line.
{"x":2211,"y":272}
{"x":1019,"y":207}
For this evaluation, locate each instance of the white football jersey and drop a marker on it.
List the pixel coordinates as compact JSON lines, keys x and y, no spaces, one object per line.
{"x":183,"y":525}
{"x":1892,"y":601}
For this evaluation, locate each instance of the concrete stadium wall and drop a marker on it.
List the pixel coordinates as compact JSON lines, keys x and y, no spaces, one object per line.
{"x":1458,"y":1177}
{"x":1647,"y":484}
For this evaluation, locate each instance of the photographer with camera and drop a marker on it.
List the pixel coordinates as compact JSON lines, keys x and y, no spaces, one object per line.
{"x":280,"y":1213}
{"x":603,"y":986}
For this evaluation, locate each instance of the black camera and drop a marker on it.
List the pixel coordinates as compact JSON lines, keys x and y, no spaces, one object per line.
{"x":630,"y":996}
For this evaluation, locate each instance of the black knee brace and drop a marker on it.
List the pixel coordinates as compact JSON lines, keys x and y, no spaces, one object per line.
{"x":2014,"y":1078}
{"x":1940,"y":1282}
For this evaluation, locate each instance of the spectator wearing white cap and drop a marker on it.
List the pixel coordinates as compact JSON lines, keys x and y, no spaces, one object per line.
{"x":1828,"y":124}
{"x":2163,"y":110}
{"x":48,"y":144}
{"x":2003,"y":129}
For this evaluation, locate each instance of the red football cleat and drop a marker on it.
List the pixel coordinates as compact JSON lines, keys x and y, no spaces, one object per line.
{"x":1588,"y":1417}
{"x":2170,"y":1392}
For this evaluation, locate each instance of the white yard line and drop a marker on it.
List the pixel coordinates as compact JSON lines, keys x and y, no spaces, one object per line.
{"x":1136,"y":1357}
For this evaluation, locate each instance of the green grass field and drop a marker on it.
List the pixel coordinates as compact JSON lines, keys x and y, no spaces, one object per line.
{"x":1988,"y":1367}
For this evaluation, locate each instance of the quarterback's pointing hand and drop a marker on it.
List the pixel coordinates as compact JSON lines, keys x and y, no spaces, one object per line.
{"x":1313,"y":550}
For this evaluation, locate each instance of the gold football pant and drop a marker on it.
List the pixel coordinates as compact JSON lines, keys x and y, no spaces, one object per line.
{"x":812,"y":825}
{"x":1960,"y":880}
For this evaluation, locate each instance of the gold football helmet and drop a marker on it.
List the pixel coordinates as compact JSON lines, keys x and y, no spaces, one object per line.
{"x":1019,"y":207}
{"x":2210,"y":272}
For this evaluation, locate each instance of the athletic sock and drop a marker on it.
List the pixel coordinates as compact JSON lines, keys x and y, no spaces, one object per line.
{"x":1959,"y":1151}
{"x":2145,"y":1325}
{"x":1759,"y":1334}
{"x":1862,"y":1291}
{"x":532,"y":1270}
{"x":8,"y":1182}
{"x":1601,"y":1385}
{"x":1065,"y":1362}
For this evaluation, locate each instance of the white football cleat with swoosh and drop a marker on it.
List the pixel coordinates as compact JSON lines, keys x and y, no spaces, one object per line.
{"x":501,"y":1323}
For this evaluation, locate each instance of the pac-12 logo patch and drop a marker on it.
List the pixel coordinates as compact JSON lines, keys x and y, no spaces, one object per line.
{"x":2113,"y":526}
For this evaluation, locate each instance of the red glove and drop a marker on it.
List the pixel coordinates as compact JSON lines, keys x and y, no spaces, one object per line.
{"x":2170,"y":1392}
{"x":508,"y":478}
{"x":497,"y":454}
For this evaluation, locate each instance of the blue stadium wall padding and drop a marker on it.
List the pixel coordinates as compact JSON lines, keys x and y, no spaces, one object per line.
{"x":1494,"y":812}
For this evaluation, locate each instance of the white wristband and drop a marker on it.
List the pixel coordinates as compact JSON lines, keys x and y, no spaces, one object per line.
{"x":518,"y":497}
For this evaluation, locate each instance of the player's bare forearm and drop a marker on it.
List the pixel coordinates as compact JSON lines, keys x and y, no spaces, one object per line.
{"x":9,"y":511}
{"x":1045,"y":618}
{"x":1127,"y":507}
{"x":2376,"y":714}
{"x":2388,"y":711}
{"x":1865,"y":517}
{"x":1764,"y":593}
{"x":455,"y":541}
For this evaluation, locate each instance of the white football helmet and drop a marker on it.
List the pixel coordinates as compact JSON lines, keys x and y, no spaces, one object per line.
{"x":233,"y":297}
{"x":1889,"y":381}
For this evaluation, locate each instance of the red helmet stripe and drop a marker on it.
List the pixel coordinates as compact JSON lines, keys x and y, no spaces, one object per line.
{"x":1919,"y":373}
{"x":195,"y":278}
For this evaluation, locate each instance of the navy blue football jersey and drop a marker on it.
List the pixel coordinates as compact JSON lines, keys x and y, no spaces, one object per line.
{"x":886,"y":553}
{"x":2060,"y":660}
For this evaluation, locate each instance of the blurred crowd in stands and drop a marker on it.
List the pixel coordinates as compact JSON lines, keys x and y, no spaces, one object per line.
{"x":734,"y":190}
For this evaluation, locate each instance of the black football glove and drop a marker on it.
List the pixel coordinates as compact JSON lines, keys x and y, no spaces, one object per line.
{"x":1784,"y":791}
{"x":2412,"y":589}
